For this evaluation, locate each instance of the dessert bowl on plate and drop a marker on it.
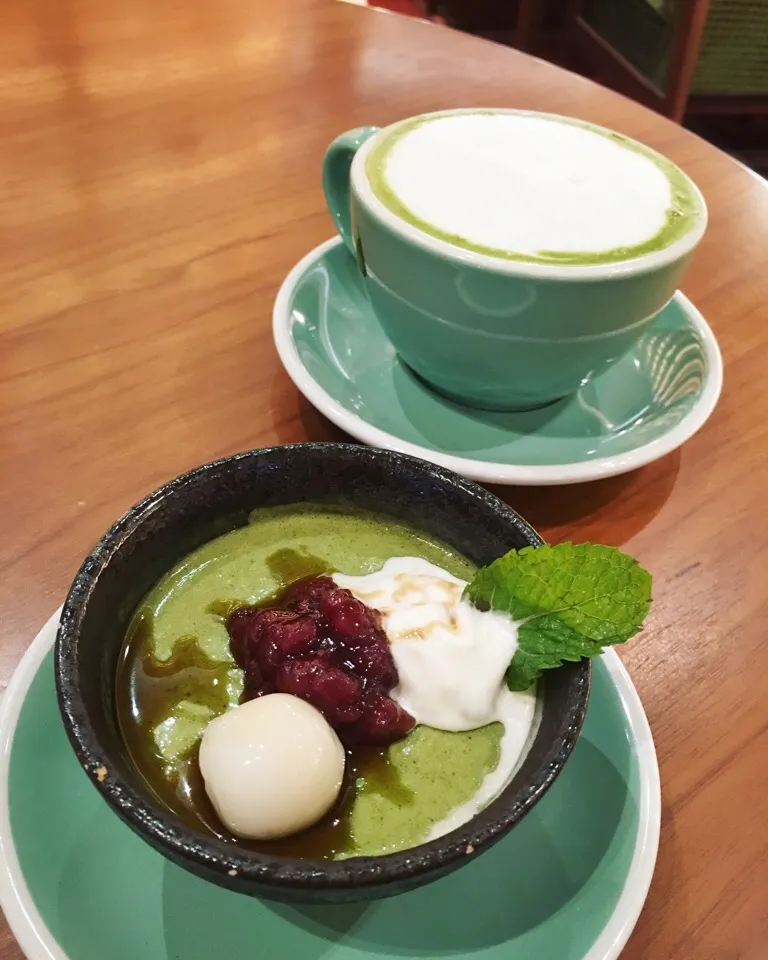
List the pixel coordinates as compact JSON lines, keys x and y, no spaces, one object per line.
{"x":219,"y":546}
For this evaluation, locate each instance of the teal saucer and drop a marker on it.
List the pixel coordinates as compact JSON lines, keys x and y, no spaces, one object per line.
{"x":646,"y":405}
{"x":568,"y":883}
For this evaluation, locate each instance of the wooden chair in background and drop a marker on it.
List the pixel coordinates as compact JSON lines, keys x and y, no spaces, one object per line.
{"x":646,"y":49}
{"x":702,"y":61}
{"x":624,"y":44}
{"x":517,"y":24}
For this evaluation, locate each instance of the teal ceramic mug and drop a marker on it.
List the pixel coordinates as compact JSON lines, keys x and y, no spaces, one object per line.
{"x":484,"y":327}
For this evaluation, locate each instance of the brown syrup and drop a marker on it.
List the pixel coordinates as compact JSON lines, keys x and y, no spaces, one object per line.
{"x":146,"y":691}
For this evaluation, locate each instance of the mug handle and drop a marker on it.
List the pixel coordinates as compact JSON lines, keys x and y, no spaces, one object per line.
{"x":336,"y":184}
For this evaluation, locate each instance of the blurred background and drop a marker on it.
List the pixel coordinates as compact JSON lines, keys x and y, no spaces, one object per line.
{"x":703,"y":63}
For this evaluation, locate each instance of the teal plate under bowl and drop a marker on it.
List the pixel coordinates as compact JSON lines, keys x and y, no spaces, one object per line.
{"x":643,"y":407}
{"x":568,"y":883}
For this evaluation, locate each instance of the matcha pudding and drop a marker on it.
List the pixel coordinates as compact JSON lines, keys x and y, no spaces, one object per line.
{"x":326,"y":683}
{"x":416,"y":746}
{"x":325,"y":673}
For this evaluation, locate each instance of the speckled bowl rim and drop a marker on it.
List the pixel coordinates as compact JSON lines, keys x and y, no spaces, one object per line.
{"x":214,"y":856}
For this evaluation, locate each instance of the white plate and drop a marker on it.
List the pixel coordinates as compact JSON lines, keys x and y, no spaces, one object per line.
{"x":38,"y":943}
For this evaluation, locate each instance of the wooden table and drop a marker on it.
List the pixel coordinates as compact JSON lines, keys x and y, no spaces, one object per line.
{"x":160,"y":174}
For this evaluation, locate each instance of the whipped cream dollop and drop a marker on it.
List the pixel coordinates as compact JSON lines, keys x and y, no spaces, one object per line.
{"x":451,"y":660}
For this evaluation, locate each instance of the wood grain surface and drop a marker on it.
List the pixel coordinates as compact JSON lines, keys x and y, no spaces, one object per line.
{"x":159,"y":175}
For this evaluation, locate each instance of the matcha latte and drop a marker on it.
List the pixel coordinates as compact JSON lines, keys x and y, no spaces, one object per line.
{"x":531,"y":187}
{"x":509,"y":256}
{"x":178,"y":675}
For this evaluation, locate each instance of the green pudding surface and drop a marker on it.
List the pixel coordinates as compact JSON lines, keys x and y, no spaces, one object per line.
{"x":177,"y":674}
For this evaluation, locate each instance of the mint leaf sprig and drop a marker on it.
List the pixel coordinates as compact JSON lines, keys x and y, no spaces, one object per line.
{"x":569,"y":600}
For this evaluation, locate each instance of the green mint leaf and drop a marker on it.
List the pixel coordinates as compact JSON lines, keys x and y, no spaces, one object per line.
{"x":570,"y":600}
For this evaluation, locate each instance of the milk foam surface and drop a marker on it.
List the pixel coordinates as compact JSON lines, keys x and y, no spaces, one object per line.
{"x":528,"y":185}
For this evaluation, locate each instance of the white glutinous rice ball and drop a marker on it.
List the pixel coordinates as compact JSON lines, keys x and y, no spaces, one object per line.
{"x":272,"y":766}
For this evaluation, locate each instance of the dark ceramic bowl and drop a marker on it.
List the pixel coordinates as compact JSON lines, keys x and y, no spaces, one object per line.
{"x":201,"y":505}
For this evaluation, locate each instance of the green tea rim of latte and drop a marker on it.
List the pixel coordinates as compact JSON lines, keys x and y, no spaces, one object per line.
{"x":686,"y":218}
